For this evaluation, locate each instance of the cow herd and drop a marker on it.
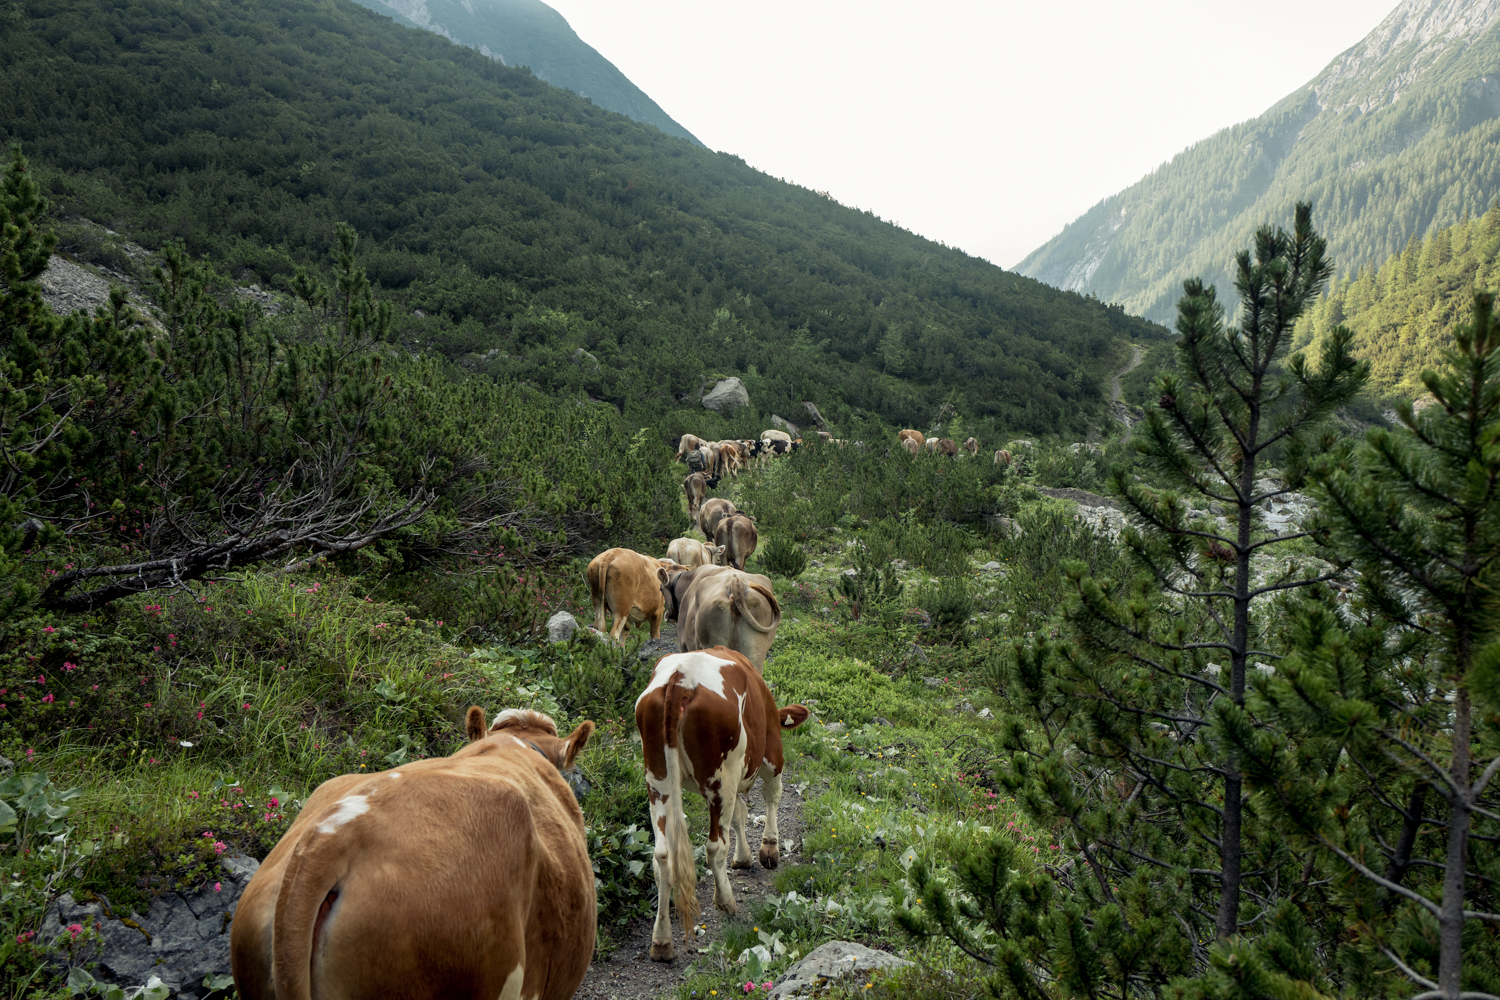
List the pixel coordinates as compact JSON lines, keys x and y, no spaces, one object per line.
{"x":469,"y":875}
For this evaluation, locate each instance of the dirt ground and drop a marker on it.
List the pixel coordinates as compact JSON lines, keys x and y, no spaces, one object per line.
{"x":629,"y":973}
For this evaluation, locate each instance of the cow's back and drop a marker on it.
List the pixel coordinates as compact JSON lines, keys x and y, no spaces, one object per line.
{"x":426,"y":901}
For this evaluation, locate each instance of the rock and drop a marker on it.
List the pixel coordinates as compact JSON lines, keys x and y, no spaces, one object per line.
{"x":881,"y":720}
{"x":578,"y":783}
{"x":1007,"y":526}
{"x":812,"y":409}
{"x":654,"y":649}
{"x":781,"y":423}
{"x":727,"y":396}
{"x":899,"y":565}
{"x":561,"y":626}
{"x":915,"y":652}
{"x":831,"y":961}
{"x":816,"y":563}
{"x":985,"y":713}
{"x":964,"y":707}
{"x":585,"y":359}
{"x":835,"y":727}
{"x":66,"y":288}
{"x":182,"y":938}
{"x":1216,"y":509}
{"x":1092,"y":449}
{"x":933,"y":682}
{"x":6,"y":766}
{"x":993,"y":567}
{"x":1081,"y":497}
{"x":1019,"y":443}
{"x":851,"y":572}
{"x":266,"y":300}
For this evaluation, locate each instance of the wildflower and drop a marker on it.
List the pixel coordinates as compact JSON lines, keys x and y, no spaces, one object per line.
{"x":218,"y":886}
{"x":192,"y":795}
{"x":220,"y":847}
{"x":69,"y":666}
{"x":48,"y":628}
{"x":246,"y":705}
{"x":748,"y":987}
{"x":75,"y":929}
{"x":274,"y":802}
{"x":48,"y":699}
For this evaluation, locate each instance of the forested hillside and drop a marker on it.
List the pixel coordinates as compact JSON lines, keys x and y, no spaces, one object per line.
{"x":522,"y":222}
{"x":529,"y":33}
{"x":1399,"y":136}
{"x":1403,"y":312}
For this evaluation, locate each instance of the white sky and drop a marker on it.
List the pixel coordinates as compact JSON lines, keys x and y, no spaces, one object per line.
{"x":986,"y":125}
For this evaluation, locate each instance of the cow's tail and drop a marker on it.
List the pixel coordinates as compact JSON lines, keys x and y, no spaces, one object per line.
{"x":683,"y":870}
{"x":738,"y":595}
{"x":308,"y":891}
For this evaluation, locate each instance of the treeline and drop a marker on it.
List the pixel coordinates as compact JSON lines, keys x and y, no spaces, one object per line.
{"x":1403,"y":312}
{"x":522,"y":222}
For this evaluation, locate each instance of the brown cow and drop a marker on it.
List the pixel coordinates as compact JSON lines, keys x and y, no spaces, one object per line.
{"x":707,"y":719}
{"x":915,"y":437}
{"x":687,"y":443}
{"x":696,"y":487}
{"x":942,"y":446}
{"x":627,"y":584}
{"x":691,"y":554}
{"x":972,"y":447}
{"x":722,"y":606}
{"x":711,"y":513}
{"x":731,"y":458}
{"x":463,"y":876}
{"x":1002,"y":457}
{"x":735,"y":538}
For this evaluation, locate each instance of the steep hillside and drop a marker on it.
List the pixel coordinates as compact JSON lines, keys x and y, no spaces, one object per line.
{"x":530,"y":33}
{"x":1403,"y":312}
{"x":515,"y":223}
{"x":1396,"y":137}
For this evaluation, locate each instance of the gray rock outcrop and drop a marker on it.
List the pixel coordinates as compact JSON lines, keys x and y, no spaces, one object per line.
{"x":183,"y":937}
{"x":832,"y":961}
{"x":66,"y":288}
{"x":561,"y":626}
{"x":653,"y":649}
{"x":783,"y":424}
{"x":812,"y":409}
{"x":584,"y":359}
{"x":727,"y":396}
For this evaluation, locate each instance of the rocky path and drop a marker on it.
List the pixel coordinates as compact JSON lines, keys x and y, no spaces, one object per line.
{"x":1115,"y":394}
{"x":629,"y":973}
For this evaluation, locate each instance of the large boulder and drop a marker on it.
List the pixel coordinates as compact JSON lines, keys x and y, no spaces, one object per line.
{"x":561,"y":626}
{"x":727,"y":396}
{"x":832,"y":961}
{"x":812,"y":409}
{"x":782,"y":424}
{"x":182,"y":938}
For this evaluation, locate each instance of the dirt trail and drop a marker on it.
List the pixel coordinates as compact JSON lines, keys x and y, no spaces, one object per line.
{"x":629,"y":973}
{"x":1115,"y":395}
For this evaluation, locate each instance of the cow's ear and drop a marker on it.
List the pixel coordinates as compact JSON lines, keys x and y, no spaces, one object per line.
{"x":474,"y":724}
{"x":577,"y":739}
{"x":661,"y":575}
{"x":792,"y":716}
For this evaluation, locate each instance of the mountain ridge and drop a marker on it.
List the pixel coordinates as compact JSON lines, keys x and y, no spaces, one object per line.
{"x":532,"y":34}
{"x":1395,"y":137}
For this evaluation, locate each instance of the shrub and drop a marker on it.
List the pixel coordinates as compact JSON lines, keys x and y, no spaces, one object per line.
{"x":948,"y":601}
{"x":783,"y":557}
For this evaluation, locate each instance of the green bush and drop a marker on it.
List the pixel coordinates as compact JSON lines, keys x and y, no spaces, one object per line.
{"x":844,"y":689}
{"x":782,"y":557}
{"x":947,"y":601}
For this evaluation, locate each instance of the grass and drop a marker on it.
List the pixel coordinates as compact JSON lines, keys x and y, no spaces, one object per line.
{"x":196,"y":723}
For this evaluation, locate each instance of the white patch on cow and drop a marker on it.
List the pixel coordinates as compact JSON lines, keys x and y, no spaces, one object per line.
{"x":522,"y":715}
{"x":519,"y":742}
{"x":348,"y":808}
{"x":789,"y":722}
{"x":395,"y":774}
{"x":512,"y":988}
{"x":697,"y":669}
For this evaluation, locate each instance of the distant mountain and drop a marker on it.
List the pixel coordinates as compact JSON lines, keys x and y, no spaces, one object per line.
{"x":529,"y":33}
{"x":1397,"y":137}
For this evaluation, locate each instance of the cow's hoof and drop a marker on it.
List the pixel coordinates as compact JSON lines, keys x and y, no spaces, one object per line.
{"x":728,"y":906}
{"x":663,"y":953}
{"x":769,"y":857}
{"x":745,"y":863}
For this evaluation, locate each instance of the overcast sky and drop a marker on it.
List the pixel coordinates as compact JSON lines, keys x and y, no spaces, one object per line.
{"x":986,"y":124}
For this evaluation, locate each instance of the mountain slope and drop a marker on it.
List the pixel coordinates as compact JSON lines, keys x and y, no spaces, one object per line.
{"x":1397,"y":136}
{"x":530,"y":33}
{"x":1403,"y":312}
{"x":515,"y":223}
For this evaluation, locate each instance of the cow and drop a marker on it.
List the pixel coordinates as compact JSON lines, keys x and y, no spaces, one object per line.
{"x":776,"y":436}
{"x":972,"y":447}
{"x":627,"y":584}
{"x":707,"y":719}
{"x":1002,"y":457}
{"x":691,"y":554}
{"x":824,"y":436}
{"x":711,"y":513}
{"x":942,"y":446}
{"x":913,"y":446}
{"x":685,"y":444}
{"x":735,"y":537}
{"x":730,"y":458}
{"x":463,"y":876}
{"x":712,"y":458}
{"x":696,"y":487}
{"x":722,"y":606}
{"x":913,"y":436}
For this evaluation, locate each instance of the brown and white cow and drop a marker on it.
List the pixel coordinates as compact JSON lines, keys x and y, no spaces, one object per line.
{"x":707,"y":720}
{"x":915,"y":437}
{"x":913,"y":446}
{"x":972,"y":447}
{"x":627,"y":584}
{"x":736,"y":538}
{"x":711,"y":513}
{"x":1002,"y":457}
{"x":465,"y":876}
{"x":723,"y":606}
{"x":687,"y":443}
{"x":942,"y":446}
{"x":731,"y":458}
{"x":690,"y":553}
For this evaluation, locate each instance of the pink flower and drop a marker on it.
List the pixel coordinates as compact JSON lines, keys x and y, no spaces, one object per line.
{"x":69,"y":666}
{"x":48,"y":699}
{"x":220,"y":847}
{"x":75,"y":929}
{"x":766,"y":986}
{"x":245,"y":705}
{"x":48,"y":628}
{"x":192,"y":795}
{"x":748,"y":987}
{"x":274,"y":802}
{"x":218,"y":886}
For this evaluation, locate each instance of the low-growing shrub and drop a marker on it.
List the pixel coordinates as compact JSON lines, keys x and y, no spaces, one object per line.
{"x":948,"y":601}
{"x":781,"y":556}
{"x":842,"y":689}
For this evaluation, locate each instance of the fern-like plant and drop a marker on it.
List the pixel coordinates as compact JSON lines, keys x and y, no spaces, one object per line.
{"x":783,"y":557}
